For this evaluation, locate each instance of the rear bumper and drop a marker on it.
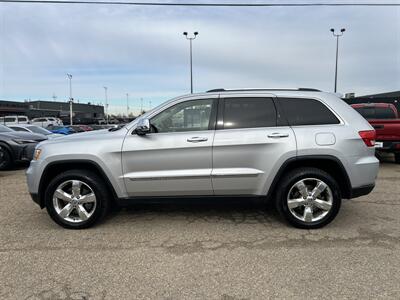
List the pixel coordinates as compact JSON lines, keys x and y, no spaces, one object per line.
{"x":389,"y":146}
{"x":361,"y":191}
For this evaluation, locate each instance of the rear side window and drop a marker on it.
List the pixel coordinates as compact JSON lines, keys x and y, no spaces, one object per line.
{"x":301,"y":111}
{"x":249,"y":113}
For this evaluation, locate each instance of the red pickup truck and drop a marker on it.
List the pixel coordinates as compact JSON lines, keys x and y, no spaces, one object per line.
{"x":385,"y":119}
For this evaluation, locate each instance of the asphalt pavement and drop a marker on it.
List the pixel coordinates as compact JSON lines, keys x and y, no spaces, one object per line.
{"x":182,"y":250}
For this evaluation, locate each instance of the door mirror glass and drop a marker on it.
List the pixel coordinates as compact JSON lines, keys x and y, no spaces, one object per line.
{"x":143,"y":126}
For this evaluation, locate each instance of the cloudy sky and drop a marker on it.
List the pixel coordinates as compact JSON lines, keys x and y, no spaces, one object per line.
{"x":141,"y":50}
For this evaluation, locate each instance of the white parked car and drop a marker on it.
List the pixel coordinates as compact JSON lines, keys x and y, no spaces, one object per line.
{"x":46,"y":122}
{"x":9,"y":120}
{"x":35,"y":129}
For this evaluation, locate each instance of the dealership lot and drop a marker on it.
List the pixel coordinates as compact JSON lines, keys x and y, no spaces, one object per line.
{"x":201,"y":251}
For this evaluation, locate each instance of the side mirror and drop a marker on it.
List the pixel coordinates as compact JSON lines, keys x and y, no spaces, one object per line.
{"x":143,"y":127}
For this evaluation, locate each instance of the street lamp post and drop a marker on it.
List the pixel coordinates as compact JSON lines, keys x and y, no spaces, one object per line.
{"x":191,"y":60}
{"x":106,"y":98}
{"x":70,"y":98}
{"x":127,"y":105}
{"x":337,"y":35}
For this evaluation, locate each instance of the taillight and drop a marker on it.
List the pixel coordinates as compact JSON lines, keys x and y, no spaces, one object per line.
{"x":368,"y":137}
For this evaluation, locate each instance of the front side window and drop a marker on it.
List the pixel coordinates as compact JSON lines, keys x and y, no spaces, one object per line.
{"x":300,"y":111}
{"x":249,"y":113}
{"x":193,"y":115}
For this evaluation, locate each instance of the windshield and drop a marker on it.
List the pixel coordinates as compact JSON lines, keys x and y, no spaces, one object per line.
{"x":37,"y":129}
{"x":5,"y":129}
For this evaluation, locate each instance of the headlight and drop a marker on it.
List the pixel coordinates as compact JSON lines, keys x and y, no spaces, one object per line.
{"x":36,"y":155}
{"x":22,"y":141}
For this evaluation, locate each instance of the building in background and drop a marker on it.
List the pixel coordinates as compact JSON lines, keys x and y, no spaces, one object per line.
{"x":82,"y":113}
{"x":12,"y":108}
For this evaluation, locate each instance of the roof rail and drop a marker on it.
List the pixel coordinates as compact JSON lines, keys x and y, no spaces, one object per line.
{"x":264,"y":89}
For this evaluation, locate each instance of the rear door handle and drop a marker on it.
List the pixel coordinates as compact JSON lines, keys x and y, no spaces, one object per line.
{"x":197,"y":139}
{"x":277,"y":135}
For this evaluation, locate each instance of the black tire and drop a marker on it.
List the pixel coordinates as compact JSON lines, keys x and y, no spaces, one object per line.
{"x":397,"y":158}
{"x":6,"y":160}
{"x":290,"y":180}
{"x":99,"y":188}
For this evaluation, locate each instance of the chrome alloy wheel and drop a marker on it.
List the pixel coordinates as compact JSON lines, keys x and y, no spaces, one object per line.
{"x":310,"y":200}
{"x":74,"y":201}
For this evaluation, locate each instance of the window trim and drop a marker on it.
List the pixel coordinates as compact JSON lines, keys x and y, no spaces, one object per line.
{"x":211,"y":124}
{"x":221,"y":112}
{"x":341,"y":121}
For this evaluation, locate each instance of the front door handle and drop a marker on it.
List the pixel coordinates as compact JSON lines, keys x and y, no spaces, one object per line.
{"x":278,"y":135}
{"x":197,"y":139}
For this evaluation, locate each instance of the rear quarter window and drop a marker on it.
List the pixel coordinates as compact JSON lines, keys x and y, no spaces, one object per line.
{"x":301,"y":111}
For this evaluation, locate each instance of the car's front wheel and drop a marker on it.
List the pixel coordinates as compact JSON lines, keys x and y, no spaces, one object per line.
{"x":397,"y":158}
{"x":308,"y":198}
{"x":5,"y":158}
{"x":77,"y":199}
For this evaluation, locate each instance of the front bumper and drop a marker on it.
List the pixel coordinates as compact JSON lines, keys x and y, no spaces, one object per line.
{"x":361,"y":191}
{"x":23,"y":152}
{"x":35,"y":197}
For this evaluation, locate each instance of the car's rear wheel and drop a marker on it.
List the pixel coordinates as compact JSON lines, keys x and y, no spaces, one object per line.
{"x":5,"y":158}
{"x":308,"y":198}
{"x":77,"y":199}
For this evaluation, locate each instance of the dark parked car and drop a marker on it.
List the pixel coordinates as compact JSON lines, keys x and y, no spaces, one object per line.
{"x":17,"y":146}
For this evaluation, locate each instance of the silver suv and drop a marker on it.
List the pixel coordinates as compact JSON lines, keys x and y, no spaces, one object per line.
{"x":303,"y":149}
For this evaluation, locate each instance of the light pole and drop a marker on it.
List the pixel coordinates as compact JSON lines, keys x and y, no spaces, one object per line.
{"x":191,"y":60}
{"x":141,"y":106}
{"x":70,"y":98}
{"x":127,"y":105}
{"x":337,"y":35}
{"x":105,"y":95}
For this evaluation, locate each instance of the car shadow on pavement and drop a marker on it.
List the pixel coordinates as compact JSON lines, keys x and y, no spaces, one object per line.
{"x":235,"y":210}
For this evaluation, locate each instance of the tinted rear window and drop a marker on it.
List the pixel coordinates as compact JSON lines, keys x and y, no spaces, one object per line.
{"x":249,"y":113}
{"x":376,"y":112}
{"x":301,"y":111}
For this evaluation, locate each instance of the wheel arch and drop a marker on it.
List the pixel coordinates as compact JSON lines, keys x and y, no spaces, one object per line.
{"x":54,"y":168}
{"x":328,"y":163}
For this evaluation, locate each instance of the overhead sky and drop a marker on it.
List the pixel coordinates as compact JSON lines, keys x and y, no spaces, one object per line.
{"x":141,"y":50}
